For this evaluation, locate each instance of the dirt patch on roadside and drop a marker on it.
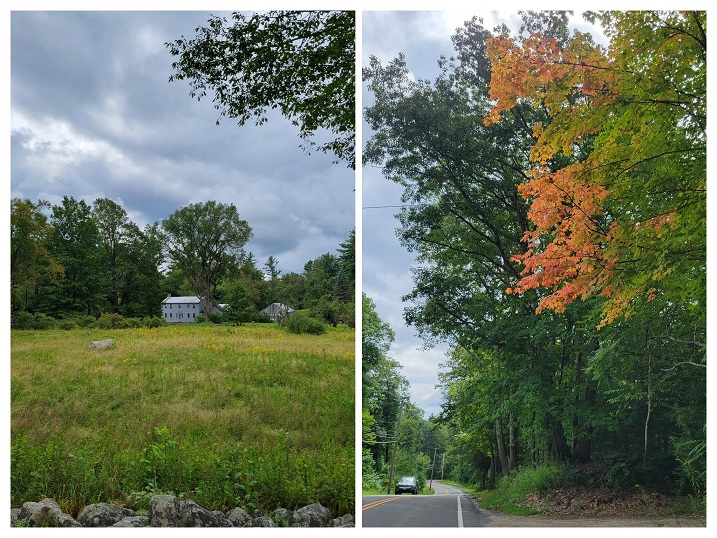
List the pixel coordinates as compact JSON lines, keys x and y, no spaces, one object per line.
{"x":495,"y":519}
{"x":595,"y":508}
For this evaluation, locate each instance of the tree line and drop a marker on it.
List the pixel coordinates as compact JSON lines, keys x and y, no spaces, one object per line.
{"x":73,"y":260}
{"x":556,"y":201}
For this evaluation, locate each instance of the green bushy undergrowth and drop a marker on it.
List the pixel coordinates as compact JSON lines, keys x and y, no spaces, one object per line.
{"x":240,"y":476}
{"x":42,"y":322}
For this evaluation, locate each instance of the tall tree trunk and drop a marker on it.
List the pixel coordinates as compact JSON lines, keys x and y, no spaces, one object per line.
{"x":512,"y":443}
{"x":492,"y":470}
{"x":533,"y":449}
{"x":558,"y":447}
{"x":580,"y":446}
{"x":649,"y":410}
{"x":501,"y":447}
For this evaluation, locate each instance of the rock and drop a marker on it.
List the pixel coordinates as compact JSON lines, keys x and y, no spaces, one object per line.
{"x":345,"y":521}
{"x":103,"y":515}
{"x":283,"y":517}
{"x":164,"y":511}
{"x":133,"y":521}
{"x":223,"y":520}
{"x":101,"y":344}
{"x":261,"y":521}
{"x":319,"y":516}
{"x":46,"y":513}
{"x":238,"y":517}
{"x":193,"y":515}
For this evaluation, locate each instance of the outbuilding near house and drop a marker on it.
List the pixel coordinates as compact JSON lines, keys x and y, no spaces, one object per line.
{"x":277,"y":311}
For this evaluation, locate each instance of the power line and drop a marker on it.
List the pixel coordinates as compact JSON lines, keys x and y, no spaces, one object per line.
{"x":390,"y":206}
{"x":427,"y":204}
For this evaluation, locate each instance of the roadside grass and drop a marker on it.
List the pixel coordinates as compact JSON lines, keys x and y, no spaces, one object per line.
{"x":248,"y":416}
{"x":561,"y":488}
{"x":510,"y":493}
{"x":374,"y":492}
{"x":503,"y":501}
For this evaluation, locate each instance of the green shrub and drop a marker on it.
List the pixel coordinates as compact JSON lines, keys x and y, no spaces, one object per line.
{"x":42,"y":322}
{"x":108,"y":321}
{"x":66,"y":324}
{"x":537,"y":479}
{"x":298,"y":323}
{"x":22,"y":320}
{"x":84,"y":321}
{"x":152,"y":322}
{"x":371,"y":480}
{"x":692,"y":458}
{"x":129,"y":323}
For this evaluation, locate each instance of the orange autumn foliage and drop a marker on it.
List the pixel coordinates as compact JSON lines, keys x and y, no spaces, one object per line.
{"x":597,"y":231}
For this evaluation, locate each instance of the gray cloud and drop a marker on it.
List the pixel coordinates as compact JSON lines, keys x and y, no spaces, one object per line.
{"x":94,"y":115}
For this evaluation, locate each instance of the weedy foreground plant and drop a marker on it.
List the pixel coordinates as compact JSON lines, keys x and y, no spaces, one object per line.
{"x":248,"y":416}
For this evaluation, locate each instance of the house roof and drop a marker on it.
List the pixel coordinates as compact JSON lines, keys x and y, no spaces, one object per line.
{"x":187,"y":299}
{"x":274,"y":308}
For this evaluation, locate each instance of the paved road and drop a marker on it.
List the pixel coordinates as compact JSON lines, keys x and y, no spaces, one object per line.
{"x":449,"y":507}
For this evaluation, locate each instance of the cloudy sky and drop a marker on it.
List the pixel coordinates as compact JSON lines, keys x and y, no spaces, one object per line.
{"x":423,"y":37}
{"x":93,"y":115}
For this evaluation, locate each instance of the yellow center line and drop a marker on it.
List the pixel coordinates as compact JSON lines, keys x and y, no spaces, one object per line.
{"x":378,"y":503}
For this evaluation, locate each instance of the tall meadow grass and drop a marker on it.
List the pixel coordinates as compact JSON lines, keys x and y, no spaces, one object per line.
{"x":248,"y":416}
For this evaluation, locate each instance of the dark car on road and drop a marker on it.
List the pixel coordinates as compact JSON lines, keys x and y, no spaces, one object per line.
{"x":407,"y":483}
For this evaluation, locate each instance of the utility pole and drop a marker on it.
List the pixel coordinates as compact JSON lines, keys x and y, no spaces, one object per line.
{"x":430,"y":484}
{"x":443,"y":464}
{"x":395,"y":446}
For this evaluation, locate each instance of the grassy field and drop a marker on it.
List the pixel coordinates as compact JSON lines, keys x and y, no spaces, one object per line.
{"x":229,"y":416}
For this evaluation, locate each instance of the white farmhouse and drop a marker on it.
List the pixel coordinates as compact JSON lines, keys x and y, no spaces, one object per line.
{"x":186,"y":309}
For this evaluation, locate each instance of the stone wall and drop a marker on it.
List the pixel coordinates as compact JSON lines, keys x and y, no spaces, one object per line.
{"x":170,"y":511}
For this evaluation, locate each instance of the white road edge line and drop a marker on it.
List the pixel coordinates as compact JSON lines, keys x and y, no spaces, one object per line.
{"x":460,"y":514}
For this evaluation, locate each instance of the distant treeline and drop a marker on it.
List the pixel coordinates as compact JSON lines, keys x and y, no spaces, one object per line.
{"x":72,"y":261}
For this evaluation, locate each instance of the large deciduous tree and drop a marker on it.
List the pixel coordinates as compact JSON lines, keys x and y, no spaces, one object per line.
{"x":204,"y":241}
{"x":141,"y":291}
{"x":29,"y":259}
{"x":113,"y":225}
{"x":625,"y":216}
{"x":465,"y":218}
{"x":75,"y":245}
{"x":301,"y":62}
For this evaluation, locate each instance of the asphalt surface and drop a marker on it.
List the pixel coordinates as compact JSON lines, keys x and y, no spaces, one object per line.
{"x":449,"y":507}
